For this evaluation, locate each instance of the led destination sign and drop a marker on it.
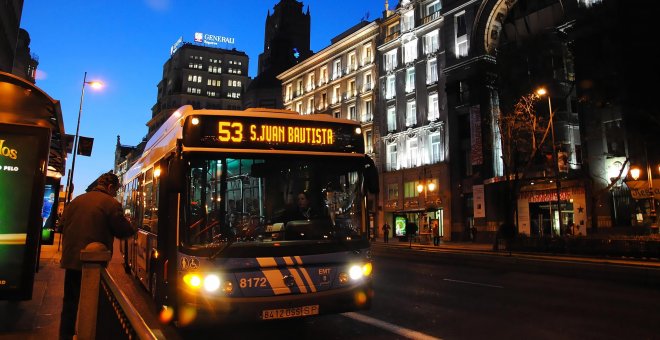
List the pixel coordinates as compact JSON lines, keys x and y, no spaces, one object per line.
{"x":230,"y":131}
{"x":269,"y":133}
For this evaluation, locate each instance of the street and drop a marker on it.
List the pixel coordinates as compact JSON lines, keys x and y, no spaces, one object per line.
{"x":429,"y":300}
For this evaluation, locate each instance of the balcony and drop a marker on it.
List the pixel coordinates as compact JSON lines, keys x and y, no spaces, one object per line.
{"x":392,"y":36}
{"x":431,"y":17}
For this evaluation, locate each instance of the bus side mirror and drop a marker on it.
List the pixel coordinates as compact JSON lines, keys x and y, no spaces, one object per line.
{"x":175,"y":176}
{"x":371,"y":175}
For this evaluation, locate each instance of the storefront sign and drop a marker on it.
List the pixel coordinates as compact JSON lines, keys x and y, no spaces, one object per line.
{"x":550,"y":195}
{"x":641,"y":189}
{"x":24,"y":155}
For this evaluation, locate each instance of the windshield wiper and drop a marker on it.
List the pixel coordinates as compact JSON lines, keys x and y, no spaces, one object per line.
{"x":221,"y":249}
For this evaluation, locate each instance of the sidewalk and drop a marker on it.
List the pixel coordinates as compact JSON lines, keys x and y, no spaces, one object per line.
{"x":38,"y":318}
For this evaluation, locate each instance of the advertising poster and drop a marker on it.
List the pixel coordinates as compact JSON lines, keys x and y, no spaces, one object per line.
{"x":49,"y":212}
{"x":23,"y":159}
{"x":400,"y":225}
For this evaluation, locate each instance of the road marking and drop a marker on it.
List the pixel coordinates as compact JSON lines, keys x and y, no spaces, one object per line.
{"x":408,"y":333}
{"x":474,"y":283}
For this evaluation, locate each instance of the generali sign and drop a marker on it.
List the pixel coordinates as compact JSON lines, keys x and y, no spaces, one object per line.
{"x":212,"y":39}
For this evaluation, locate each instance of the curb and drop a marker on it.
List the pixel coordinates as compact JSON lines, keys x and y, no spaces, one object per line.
{"x":631,"y":272}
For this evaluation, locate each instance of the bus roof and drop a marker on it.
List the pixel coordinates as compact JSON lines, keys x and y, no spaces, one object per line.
{"x":164,"y":139}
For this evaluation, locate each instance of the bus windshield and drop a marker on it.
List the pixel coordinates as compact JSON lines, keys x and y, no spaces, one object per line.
{"x":271,"y":199}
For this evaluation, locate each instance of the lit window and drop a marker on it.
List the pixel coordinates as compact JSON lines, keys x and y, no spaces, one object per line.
{"x":390,"y":60}
{"x":411,"y":113}
{"x":460,"y":27}
{"x":434,"y":141}
{"x":432,"y":71}
{"x":434,"y":111}
{"x":410,"y":79}
{"x":412,"y":153}
{"x":391,"y":118}
{"x":391,"y":157}
{"x":410,"y":51}
{"x":431,"y":42}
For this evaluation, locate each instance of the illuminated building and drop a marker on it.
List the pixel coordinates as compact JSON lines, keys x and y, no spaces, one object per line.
{"x":339,"y":81}
{"x":412,"y":114}
{"x":202,"y":76}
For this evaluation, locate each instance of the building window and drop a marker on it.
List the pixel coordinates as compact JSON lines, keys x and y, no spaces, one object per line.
{"x":299,"y":107}
{"x":368,"y":141}
{"x":408,"y":21}
{"x":310,"y":106}
{"x":336,"y":95}
{"x":411,"y":113}
{"x":391,"y":118}
{"x":433,"y":8}
{"x":390,"y":89}
{"x":463,"y":92}
{"x":392,"y":191}
{"x":367,"y":82}
{"x":366,"y":55}
{"x":434,"y":110}
{"x":351,"y":89}
{"x":412,"y":153}
{"x":434,"y":147}
{"x":432,"y":71}
{"x":389,"y":58}
{"x":367,"y":112}
{"x":410,"y":51}
{"x":337,"y":114}
{"x":460,"y":27}
{"x":613,"y":135}
{"x":391,"y":157}
{"x":311,"y":83}
{"x":410,"y":189}
{"x":336,"y":69}
{"x":288,"y":93}
{"x":431,"y":43}
{"x":352,"y":113}
{"x":299,"y":87}
{"x":410,"y":80}
{"x":323,"y":76}
{"x":352,"y":62}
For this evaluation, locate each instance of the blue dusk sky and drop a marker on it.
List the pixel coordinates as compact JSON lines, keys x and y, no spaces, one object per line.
{"x":124,"y":44}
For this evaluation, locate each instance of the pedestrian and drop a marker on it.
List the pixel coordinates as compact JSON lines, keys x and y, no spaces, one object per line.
{"x":436,"y":233}
{"x":386,"y":232}
{"x":95,"y":216}
{"x":473,"y":231}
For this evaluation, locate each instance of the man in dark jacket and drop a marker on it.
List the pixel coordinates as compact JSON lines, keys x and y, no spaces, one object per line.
{"x":95,"y":216}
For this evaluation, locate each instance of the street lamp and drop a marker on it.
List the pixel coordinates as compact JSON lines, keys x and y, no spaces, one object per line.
{"x":69,"y":182}
{"x":543,"y":92}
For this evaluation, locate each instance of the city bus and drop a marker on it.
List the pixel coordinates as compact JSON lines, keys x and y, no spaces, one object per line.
{"x":210,"y":196}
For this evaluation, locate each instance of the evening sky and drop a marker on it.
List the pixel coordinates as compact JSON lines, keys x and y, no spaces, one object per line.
{"x":125,"y":44}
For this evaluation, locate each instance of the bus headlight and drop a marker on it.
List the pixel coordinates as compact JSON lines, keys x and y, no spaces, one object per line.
{"x":192,"y":280}
{"x":356,"y":272}
{"x":211,"y":283}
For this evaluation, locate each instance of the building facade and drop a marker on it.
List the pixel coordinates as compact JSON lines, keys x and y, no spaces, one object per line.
{"x":412,"y":115}
{"x":286,"y":43}
{"x":201,"y":76}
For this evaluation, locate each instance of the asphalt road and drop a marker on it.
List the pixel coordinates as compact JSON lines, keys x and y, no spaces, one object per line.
{"x":418,"y":300}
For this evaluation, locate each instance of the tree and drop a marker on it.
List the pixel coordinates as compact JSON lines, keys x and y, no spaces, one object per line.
{"x":523,"y":134}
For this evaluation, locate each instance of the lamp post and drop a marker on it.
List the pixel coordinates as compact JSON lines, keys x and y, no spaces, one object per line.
{"x":555,"y":159}
{"x":69,"y":182}
{"x":425,"y":186}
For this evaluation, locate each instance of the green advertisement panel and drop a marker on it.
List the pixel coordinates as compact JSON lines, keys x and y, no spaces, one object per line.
{"x":23,"y":160}
{"x":400,"y":225}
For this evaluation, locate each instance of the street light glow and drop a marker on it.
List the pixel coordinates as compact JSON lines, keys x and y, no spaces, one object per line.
{"x":635,"y":172}
{"x":541,"y":91}
{"x":95,"y":84}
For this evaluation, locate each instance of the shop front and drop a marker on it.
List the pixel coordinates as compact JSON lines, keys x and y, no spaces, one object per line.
{"x":417,"y":199}
{"x":538,"y":213}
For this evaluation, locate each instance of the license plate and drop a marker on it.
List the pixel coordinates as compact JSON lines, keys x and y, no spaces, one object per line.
{"x":284,"y":313}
